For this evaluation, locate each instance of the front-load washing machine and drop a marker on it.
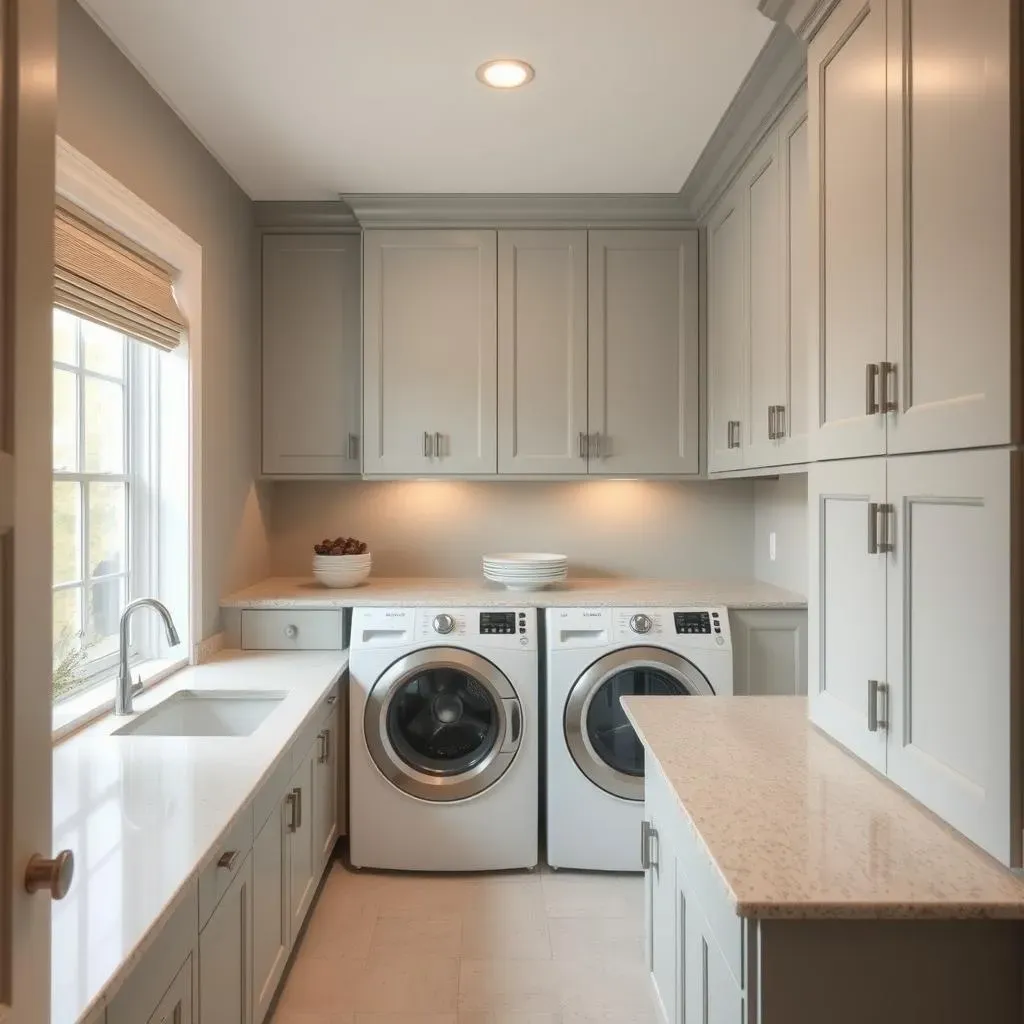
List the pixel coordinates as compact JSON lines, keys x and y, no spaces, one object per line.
{"x":443,"y":738}
{"x":595,"y":762}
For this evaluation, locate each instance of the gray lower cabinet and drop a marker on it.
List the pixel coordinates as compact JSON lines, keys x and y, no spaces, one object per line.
{"x":225,"y":955}
{"x":312,"y":377}
{"x":271,"y":936}
{"x":769,"y":651}
{"x":325,"y":791}
{"x":176,"y":1005}
{"x":303,"y":866}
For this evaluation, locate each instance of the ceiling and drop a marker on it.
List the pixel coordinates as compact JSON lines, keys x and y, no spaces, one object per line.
{"x":380,"y":95}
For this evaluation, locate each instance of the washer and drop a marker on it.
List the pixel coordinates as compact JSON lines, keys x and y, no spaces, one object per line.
{"x":595,"y":762}
{"x":443,"y":738}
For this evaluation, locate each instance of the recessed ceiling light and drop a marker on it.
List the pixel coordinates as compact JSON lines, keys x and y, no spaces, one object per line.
{"x":504,"y":73}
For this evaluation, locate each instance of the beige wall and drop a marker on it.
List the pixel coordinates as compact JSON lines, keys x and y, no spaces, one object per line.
{"x":107,"y":111}
{"x":780,"y":506}
{"x":441,"y":528}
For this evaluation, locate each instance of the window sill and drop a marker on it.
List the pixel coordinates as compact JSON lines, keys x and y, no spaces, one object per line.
{"x":78,"y":711}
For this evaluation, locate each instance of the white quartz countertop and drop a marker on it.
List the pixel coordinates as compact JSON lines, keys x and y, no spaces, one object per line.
{"x":797,"y":827}
{"x":298,"y":592}
{"x":142,"y":813}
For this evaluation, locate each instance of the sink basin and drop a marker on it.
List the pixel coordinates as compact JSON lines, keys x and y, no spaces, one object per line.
{"x":205,"y":713}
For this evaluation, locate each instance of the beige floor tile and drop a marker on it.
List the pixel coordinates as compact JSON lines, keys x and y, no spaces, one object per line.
{"x":519,"y":932}
{"x":319,"y":986}
{"x":604,"y":986}
{"x":284,"y":1017}
{"x":597,"y":938}
{"x":424,"y":895}
{"x":497,"y":898}
{"x":339,"y":930}
{"x":616,"y":1015}
{"x":509,"y":985}
{"x":405,"y":1018}
{"x":408,"y":983}
{"x":511,"y":1017}
{"x":579,"y":894}
{"x":430,"y":936}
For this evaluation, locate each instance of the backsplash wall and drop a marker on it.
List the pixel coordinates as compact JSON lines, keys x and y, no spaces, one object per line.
{"x":440,"y":528}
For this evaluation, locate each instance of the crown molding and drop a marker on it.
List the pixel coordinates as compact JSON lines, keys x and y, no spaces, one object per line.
{"x":777,"y":75}
{"x":305,"y":216}
{"x":804,"y":17}
{"x":432,"y":210}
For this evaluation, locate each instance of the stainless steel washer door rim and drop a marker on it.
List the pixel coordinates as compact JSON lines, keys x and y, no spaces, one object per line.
{"x":577,"y":710}
{"x":504,"y":739}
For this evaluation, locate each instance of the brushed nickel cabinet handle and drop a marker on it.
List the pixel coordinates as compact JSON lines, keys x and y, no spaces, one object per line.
{"x":582,"y":444}
{"x":771,"y":422}
{"x":227,"y":860}
{"x":872,"y":527}
{"x":878,"y":690}
{"x":52,"y":874}
{"x":648,"y":835}
{"x":353,"y":447}
{"x":888,"y":373}
{"x":426,"y":445}
{"x":886,"y":542}
{"x":871,"y":389}
{"x":292,"y":800}
{"x":594,"y":445}
{"x":298,"y":806}
{"x":780,"y":423}
{"x":438,"y":449}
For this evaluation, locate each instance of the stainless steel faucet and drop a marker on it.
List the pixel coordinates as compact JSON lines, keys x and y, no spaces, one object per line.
{"x":125,"y":691}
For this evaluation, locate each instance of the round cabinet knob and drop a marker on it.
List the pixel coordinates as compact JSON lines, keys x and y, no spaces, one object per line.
{"x":54,"y":875}
{"x":291,"y":632}
{"x":443,"y":623}
{"x":640,"y":624}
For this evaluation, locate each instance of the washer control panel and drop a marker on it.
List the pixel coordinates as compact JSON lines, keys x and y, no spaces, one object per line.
{"x":706,"y":623}
{"x":500,"y":622}
{"x":640,"y":623}
{"x":443,"y":623}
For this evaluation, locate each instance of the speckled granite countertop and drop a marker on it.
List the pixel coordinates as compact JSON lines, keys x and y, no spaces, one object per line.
{"x":799,"y":828}
{"x":297,"y":592}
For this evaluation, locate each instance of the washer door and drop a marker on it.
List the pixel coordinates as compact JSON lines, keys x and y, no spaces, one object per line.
{"x":602,"y":742}
{"x":443,"y":724}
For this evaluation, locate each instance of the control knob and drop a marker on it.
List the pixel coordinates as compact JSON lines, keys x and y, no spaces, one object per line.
{"x":443,"y":623}
{"x":640,"y":624}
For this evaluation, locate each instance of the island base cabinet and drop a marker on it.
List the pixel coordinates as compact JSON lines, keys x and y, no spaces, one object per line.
{"x":710,"y":994}
{"x":225,"y":963}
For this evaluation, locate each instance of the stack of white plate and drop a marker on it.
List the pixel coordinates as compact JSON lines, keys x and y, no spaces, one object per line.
{"x":526,"y":571}
{"x":340,"y":571}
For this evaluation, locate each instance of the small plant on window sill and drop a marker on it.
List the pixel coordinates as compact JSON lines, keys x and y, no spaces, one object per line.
{"x":69,"y":656}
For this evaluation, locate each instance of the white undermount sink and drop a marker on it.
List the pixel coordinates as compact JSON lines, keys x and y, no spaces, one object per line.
{"x":205,"y":713}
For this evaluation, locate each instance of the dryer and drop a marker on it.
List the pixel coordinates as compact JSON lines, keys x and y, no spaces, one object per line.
{"x":594,"y":760}
{"x":443,"y":738}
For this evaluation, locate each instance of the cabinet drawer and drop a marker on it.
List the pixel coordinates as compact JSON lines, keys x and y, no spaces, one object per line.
{"x":223,"y":865}
{"x":325,"y":715}
{"x":287,"y":630}
{"x":698,"y":875}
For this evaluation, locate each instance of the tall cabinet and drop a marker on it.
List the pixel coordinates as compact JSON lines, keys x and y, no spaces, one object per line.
{"x":916,"y":512}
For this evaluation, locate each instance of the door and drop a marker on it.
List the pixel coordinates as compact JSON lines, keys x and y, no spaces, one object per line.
{"x":600,"y":738}
{"x":664,"y":907}
{"x":225,"y":955}
{"x":727,"y":332}
{"x":430,"y":351}
{"x":953,"y":614}
{"x":792,"y":422}
{"x":325,"y":795}
{"x":542,"y":352}
{"x":302,"y":863}
{"x":443,"y":724}
{"x":271,"y":919}
{"x":765,"y":388}
{"x":28,"y":43}
{"x":954,"y":348}
{"x":846,"y":605}
{"x":643,"y":353}
{"x":312,"y":342}
{"x":712,"y":994}
{"x":846,"y":65}
{"x":176,"y":1005}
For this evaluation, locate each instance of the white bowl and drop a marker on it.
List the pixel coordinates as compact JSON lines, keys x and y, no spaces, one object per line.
{"x":342,"y":559}
{"x":341,"y":580}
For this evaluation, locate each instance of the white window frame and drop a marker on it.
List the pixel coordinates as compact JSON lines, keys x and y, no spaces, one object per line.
{"x":92,"y":189}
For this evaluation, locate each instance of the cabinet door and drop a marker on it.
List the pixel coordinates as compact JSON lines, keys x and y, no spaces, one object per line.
{"x":766,"y":356}
{"x":952,"y":351}
{"x":176,"y":1005}
{"x":542,"y":352}
{"x":302,"y":857}
{"x":798,"y":261}
{"x":727,"y":332}
{"x":225,"y":955}
{"x":271,"y":918}
{"x":660,"y":897}
{"x":846,"y":604}
{"x":847,"y":97}
{"x":712,"y":994}
{"x":430,"y":352}
{"x":311,"y":354}
{"x":325,"y":793}
{"x":769,"y":651}
{"x":643,"y":362}
{"x":952,"y":621}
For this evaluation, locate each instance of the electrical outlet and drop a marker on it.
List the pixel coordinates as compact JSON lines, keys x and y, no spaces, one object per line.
{"x":771,"y":546}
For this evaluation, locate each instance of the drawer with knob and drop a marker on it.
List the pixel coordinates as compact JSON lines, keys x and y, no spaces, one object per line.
{"x":282,"y":629}
{"x":223,"y":864}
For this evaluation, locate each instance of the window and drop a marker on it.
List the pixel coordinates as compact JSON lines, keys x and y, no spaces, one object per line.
{"x":102,"y":411}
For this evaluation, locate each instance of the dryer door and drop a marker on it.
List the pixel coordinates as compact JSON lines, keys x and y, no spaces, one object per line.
{"x":601,"y":740}
{"x":443,"y":724}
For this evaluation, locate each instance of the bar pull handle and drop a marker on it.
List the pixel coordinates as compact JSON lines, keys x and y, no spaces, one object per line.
{"x":876,"y":690}
{"x":583,"y":439}
{"x":780,"y":423}
{"x":648,"y":836}
{"x":886,"y":542}
{"x":872,"y":527}
{"x":227,"y":860}
{"x":437,"y":444}
{"x":353,"y":447}
{"x":888,"y":374}
{"x":297,"y":792}
{"x":871,"y":389}
{"x":594,"y":445}
{"x":292,"y":800}
{"x":771,"y":422}
{"x":427,"y":446}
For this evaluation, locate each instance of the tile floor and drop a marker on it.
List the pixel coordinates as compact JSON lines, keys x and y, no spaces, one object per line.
{"x":527,"y":948}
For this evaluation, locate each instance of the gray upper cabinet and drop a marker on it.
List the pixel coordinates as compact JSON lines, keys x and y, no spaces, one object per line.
{"x":311,"y":355}
{"x":542,"y":352}
{"x":643,"y":414}
{"x":430,"y":351}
